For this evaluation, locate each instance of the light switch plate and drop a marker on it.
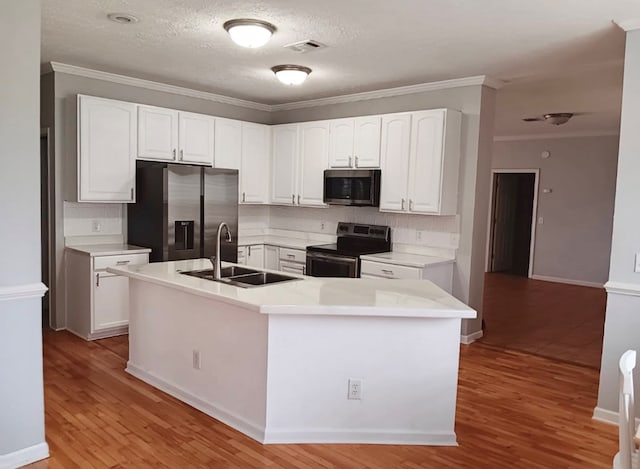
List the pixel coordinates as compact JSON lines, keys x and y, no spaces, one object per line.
{"x":637,"y":267}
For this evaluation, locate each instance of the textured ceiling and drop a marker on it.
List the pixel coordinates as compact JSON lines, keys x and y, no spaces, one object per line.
{"x":373,"y":44}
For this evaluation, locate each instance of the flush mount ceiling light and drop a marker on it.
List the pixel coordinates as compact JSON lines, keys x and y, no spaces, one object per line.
{"x":249,"y":33}
{"x":122,"y":18}
{"x":291,"y":74}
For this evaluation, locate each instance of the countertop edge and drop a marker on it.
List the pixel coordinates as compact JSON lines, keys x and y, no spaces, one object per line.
{"x":418,"y":264}
{"x":82,"y":248}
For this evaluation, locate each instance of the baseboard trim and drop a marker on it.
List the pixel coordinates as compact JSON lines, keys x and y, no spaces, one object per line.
{"x":22,"y":292}
{"x":619,"y":288}
{"x":24,"y":456}
{"x":355,"y":436}
{"x":471,"y":338}
{"x":608,"y":416}
{"x":250,"y":429}
{"x":568,"y":281}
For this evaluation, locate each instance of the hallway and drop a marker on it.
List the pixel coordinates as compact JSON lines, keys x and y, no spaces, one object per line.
{"x":553,"y":320}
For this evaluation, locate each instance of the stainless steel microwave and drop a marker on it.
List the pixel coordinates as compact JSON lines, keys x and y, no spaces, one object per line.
{"x":360,"y":187}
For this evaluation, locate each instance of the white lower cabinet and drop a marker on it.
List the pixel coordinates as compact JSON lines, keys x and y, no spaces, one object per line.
{"x":441,"y":274}
{"x":252,"y":255}
{"x":293,"y":261}
{"x":98,"y":301}
{"x":271,"y":257}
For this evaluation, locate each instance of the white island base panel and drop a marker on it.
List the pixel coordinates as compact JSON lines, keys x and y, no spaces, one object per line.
{"x":283,"y":378}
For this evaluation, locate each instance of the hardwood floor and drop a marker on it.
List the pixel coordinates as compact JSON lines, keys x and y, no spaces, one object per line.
{"x":554,"y":320}
{"x":514,"y":411}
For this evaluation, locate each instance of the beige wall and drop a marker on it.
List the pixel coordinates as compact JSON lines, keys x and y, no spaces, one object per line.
{"x":574,"y":242}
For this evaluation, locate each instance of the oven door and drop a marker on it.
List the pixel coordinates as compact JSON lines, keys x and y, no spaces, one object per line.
{"x":328,"y":265}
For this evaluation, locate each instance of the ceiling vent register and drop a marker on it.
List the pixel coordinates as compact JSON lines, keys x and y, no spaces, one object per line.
{"x":302,"y":47}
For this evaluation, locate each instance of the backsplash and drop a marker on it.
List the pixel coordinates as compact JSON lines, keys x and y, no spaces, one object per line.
{"x":84,"y":219}
{"x":436,"y":235}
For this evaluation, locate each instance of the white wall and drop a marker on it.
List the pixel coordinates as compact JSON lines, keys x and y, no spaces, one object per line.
{"x":21,"y":390}
{"x":623,"y":310}
{"x":574,"y":242}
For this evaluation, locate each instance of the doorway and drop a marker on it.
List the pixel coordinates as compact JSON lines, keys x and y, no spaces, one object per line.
{"x":45,"y":228}
{"x":513,"y":213}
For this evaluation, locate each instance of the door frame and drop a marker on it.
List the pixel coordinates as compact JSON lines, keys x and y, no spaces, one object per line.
{"x":534,"y":215}
{"x":45,"y":132}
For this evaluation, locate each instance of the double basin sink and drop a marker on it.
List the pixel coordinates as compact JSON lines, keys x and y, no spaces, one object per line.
{"x":241,"y":276}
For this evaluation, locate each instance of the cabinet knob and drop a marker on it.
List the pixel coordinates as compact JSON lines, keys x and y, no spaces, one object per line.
{"x":174,"y":153}
{"x":97,"y":280}
{"x":181,"y":154}
{"x":298,"y":199}
{"x":349,"y":161}
{"x":293,"y":199}
{"x":243,"y":197}
{"x":356,"y":159}
{"x":410,"y":205}
{"x":402,"y":205}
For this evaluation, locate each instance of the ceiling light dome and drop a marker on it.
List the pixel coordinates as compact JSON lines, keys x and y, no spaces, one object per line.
{"x":249,"y":33}
{"x":291,"y":74}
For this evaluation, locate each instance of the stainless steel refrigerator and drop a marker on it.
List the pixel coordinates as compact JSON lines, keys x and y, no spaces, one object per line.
{"x":178,"y":209}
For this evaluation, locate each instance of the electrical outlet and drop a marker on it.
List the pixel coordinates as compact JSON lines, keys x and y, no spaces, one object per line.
{"x":418,"y":235}
{"x":637,"y":266}
{"x":322,"y":226}
{"x":196,"y":359}
{"x":96,"y":226}
{"x":355,"y":389}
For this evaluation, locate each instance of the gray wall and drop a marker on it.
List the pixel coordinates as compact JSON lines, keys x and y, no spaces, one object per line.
{"x":59,"y":91}
{"x":622,"y":323}
{"x":477,"y":104}
{"x":21,"y":391}
{"x":574,"y":242}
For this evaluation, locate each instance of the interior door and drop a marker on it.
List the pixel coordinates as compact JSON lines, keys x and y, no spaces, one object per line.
{"x":504,"y":212}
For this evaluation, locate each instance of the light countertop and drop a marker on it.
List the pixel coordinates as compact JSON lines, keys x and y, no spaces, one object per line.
{"x":312,"y":295}
{"x":281,"y":241}
{"x":404,"y":258}
{"x":109,"y":249}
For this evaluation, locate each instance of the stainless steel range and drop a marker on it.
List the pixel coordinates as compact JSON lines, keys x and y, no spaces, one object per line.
{"x":342,"y":259}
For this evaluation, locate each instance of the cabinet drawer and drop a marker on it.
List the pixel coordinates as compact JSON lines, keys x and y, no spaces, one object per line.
{"x":102,"y":262}
{"x":380,"y":269}
{"x":293,"y":255}
{"x":292,"y":268}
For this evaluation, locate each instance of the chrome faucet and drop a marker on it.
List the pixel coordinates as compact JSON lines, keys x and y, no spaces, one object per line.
{"x":216,"y":261}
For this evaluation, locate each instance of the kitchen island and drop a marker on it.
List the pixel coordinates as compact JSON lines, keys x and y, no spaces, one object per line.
{"x":314,"y":360}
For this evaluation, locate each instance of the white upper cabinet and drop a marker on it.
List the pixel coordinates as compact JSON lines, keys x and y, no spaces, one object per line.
{"x":168,"y":135}
{"x":313,"y":160}
{"x":421,"y":177}
{"x":341,"y":143}
{"x":227,"y":143}
{"x":255,"y":163}
{"x":157,"y":133}
{"x":285,"y":157}
{"x":395,"y":146}
{"x":195,"y":138}
{"x":366,"y":143}
{"x":300,"y":156}
{"x":355,"y":143}
{"x":106,"y":139}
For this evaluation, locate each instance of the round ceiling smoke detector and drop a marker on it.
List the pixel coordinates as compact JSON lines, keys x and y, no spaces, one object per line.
{"x":291,"y":74}
{"x":122,"y":18}
{"x":248,"y":32}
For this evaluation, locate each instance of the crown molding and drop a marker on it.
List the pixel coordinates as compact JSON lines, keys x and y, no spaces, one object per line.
{"x":481,"y":80}
{"x":19,"y":292}
{"x":628,"y":25}
{"x":155,"y":86}
{"x":546,"y":136}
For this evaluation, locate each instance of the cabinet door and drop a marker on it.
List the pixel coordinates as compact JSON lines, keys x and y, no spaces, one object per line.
{"x":196,"y":138}
{"x":255,"y":256}
{"x":396,"y":139}
{"x":242,"y":255}
{"x":157,"y":133}
{"x":292,"y":267}
{"x":106,"y":150}
{"x":227,"y":143}
{"x":254,"y":170}
{"x":314,"y":155}
{"x":271,"y":257}
{"x":366,"y":147}
{"x":341,"y":143}
{"x":425,"y":179}
{"x":285,"y":157}
{"x":110,"y":301}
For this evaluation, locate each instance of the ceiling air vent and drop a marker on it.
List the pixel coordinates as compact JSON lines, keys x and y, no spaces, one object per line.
{"x":305,"y":46}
